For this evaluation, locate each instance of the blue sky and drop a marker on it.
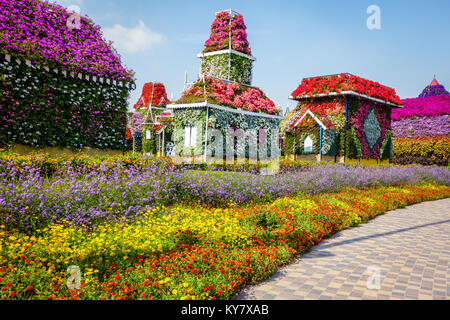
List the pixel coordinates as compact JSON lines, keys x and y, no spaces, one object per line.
{"x":291,"y":40}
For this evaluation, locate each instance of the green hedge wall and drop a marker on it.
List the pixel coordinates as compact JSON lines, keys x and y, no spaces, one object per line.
{"x":40,"y":109}
{"x":218,"y":66}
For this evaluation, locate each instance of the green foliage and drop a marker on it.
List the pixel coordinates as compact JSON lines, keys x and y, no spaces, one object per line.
{"x":386,"y":146}
{"x":289,"y":143}
{"x":330,"y":142}
{"x":44,"y":109}
{"x":218,"y":66}
{"x":353,"y":147}
{"x":313,"y":133}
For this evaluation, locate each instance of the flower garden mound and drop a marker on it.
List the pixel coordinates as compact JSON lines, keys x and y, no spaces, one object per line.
{"x":434,"y":89}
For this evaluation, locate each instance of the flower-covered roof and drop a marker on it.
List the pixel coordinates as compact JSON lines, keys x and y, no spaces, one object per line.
{"x":331,"y":114}
{"x":154,"y":94}
{"x":344,"y":82}
{"x":225,"y":24}
{"x":229,"y":94}
{"x":434,"y":89}
{"x":38,"y":31}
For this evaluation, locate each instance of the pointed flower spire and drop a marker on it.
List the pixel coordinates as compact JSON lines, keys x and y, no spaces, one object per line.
{"x":434,"y":82}
{"x":434,"y":89}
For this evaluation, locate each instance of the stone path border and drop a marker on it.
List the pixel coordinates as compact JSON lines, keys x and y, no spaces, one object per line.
{"x":408,"y":248}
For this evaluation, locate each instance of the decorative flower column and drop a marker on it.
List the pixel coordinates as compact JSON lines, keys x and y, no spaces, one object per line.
{"x":227,"y":54}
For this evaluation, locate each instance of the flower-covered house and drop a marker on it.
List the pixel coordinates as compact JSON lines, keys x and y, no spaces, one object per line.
{"x":421,"y":130}
{"x":340,"y":118}
{"x":151,"y":124}
{"x":223,"y":99}
{"x":62,"y":85}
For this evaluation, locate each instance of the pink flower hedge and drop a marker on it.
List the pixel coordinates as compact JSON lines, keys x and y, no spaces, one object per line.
{"x":423,"y":107}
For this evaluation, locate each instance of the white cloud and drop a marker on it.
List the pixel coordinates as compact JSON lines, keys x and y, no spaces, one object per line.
{"x":132,"y":40}
{"x":68,"y":3}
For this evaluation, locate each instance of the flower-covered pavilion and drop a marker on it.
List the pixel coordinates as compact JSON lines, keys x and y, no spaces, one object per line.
{"x":341,"y":118}
{"x":223,"y":99}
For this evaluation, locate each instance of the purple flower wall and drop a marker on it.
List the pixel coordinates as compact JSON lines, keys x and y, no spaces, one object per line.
{"x":422,"y":127}
{"x":423,"y":107}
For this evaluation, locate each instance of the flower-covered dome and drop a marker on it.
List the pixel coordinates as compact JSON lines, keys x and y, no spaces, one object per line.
{"x":434,"y":89}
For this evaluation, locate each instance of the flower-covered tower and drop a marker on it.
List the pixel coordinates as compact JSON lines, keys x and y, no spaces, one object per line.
{"x":223,"y":102}
{"x":227,"y":53}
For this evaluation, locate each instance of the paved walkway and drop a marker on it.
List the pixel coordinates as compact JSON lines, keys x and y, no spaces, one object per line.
{"x":408,"y":248}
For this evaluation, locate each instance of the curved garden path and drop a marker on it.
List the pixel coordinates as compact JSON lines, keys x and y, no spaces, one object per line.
{"x":410,"y":247}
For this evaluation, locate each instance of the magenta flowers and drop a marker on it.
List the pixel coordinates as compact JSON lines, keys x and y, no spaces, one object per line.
{"x":222,"y":27}
{"x":38,"y":31}
{"x":423,"y":107}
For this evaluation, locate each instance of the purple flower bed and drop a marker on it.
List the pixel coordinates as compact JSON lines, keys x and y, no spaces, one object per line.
{"x":29,"y":201}
{"x":422,"y":127}
{"x":38,"y":31}
{"x":423,"y":107}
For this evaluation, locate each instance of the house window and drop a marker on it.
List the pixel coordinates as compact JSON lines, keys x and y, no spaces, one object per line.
{"x":309,"y":144}
{"x":190,"y":136}
{"x":148,"y":135}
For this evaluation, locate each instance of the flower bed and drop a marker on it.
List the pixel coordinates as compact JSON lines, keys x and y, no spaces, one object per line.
{"x":122,"y":189}
{"x":187,"y":253}
{"x":43,"y":109}
{"x":422,"y":150}
{"x":422,"y":127}
{"x":423,"y":107}
{"x":345,"y":82}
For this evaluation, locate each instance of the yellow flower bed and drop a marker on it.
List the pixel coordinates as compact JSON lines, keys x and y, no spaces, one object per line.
{"x":156,"y":232}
